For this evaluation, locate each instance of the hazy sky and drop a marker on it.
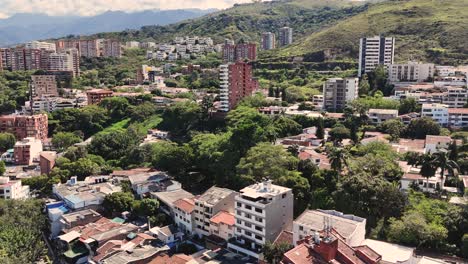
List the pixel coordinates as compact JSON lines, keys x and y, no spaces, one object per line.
{"x":92,"y":7}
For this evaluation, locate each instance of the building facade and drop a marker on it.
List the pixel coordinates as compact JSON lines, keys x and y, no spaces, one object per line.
{"x":44,"y":85}
{"x":268,"y":41}
{"x":339,"y":91}
{"x":285,"y":36}
{"x":375,"y":51}
{"x":262,"y":211}
{"x":410,"y":72}
{"x":40,"y":45}
{"x":23,"y":126}
{"x":438,"y":113}
{"x":241,"y":51}
{"x":111,"y":48}
{"x":236,"y":82}
{"x":27,"y":151}
{"x":95,"y":96}
{"x":12,"y":189}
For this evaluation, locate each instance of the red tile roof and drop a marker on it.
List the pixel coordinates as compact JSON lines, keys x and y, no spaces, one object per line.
{"x":175,"y":259}
{"x":185,"y":204}
{"x":224,"y":218}
{"x":285,"y":237}
{"x":463,"y":111}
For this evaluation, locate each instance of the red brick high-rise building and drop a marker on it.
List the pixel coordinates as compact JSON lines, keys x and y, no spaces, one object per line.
{"x":23,"y":126}
{"x":241,"y":51}
{"x":236,"y":83}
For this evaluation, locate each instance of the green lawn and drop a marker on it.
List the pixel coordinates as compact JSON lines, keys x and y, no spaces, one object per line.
{"x":121,"y":125}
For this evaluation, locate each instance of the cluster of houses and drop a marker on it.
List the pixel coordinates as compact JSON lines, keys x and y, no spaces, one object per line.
{"x":222,"y":225}
{"x":183,"y":48}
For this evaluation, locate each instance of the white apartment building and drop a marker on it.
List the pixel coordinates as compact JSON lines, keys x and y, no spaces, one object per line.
{"x":458,"y":117}
{"x":285,"y":36}
{"x":263,"y":210}
{"x":40,"y":45}
{"x":339,"y":91}
{"x":460,"y":80}
{"x":268,"y":41}
{"x":224,"y":87}
{"x":410,"y":72}
{"x":351,"y":227}
{"x":183,"y":214}
{"x":378,"y":116}
{"x":61,"y":62}
{"x":12,"y":189}
{"x":438,"y":112}
{"x":456,"y":97}
{"x":209,"y":204}
{"x":375,"y":51}
{"x":444,"y":71}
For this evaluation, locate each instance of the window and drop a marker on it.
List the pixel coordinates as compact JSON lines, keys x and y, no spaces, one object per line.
{"x":239,"y":204}
{"x":239,"y":221}
{"x":247,"y":233}
{"x":247,"y":215}
{"x":258,"y":237}
{"x":258,"y":210}
{"x":258,"y":228}
{"x":284,"y":195}
{"x":301,"y":228}
{"x":248,"y":207}
{"x":248,"y":224}
{"x":258,"y":219}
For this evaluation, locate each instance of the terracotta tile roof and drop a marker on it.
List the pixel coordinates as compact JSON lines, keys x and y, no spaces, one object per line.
{"x":185,"y":204}
{"x":175,"y":259}
{"x":285,"y":237}
{"x":436,"y":139}
{"x":463,"y":111}
{"x":302,"y":254}
{"x":224,"y":218}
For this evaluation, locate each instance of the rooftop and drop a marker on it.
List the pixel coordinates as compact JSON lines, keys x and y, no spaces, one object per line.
{"x":344,"y":224}
{"x":78,"y":215}
{"x":170,"y":197}
{"x":463,"y":111}
{"x":213,"y":195}
{"x":185,"y":204}
{"x":383,"y":111}
{"x":264,"y":189}
{"x":392,"y":253}
{"x":437,"y":139}
{"x":223,"y":217}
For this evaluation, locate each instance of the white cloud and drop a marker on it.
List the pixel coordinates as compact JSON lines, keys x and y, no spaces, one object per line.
{"x":93,"y":7}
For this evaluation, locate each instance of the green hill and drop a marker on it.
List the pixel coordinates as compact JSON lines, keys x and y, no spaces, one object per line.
{"x":428,"y":30}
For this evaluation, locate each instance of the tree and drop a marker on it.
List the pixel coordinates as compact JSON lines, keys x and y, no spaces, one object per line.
{"x":180,"y":118}
{"x":63,"y":140}
{"x":116,"y":144}
{"x":285,"y":126}
{"x":142,"y":111}
{"x":83,"y":167}
{"x":118,"y":202}
{"x":364,"y":86}
{"x":394,"y":127}
{"x":338,"y":158}
{"x":146,"y":207}
{"x":442,"y":160}
{"x":409,"y":105}
{"x":273,"y":253}
{"x":2,"y":167}
{"x":379,"y":165}
{"x":465,"y":245}
{"x":420,"y":127}
{"x":266,"y":161}
{"x":320,"y":133}
{"x":428,"y":168}
{"x":117,"y":106}
{"x":453,"y":151}
{"x":339,"y":132}
{"x":7,"y":141}
{"x":177,"y":160}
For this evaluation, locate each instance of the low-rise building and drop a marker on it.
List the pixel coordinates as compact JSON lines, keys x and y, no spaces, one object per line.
{"x":154,"y":181}
{"x":183,"y":214}
{"x":47,"y":161}
{"x":438,"y":112}
{"x":222,"y":225}
{"x":455,"y":97}
{"x":27,"y":151}
{"x":378,"y":116}
{"x":458,"y":117}
{"x":95,"y":96}
{"x":12,"y":189}
{"x":410,"y":72}
{"x":337,"y":92}
{"x":210,"y":203}
{"x":167,"y":199}
{"x":436,"y":143}
{"x":23,"y":126}
{"x":412,"y":177}
{"x":351,"y":228}
{"x":169,"y":235}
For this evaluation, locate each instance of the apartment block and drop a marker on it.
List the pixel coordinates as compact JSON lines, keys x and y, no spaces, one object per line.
{"x":12,"y":189}
{"x":62,"y":45}
{"x":90,"y":48}
{"x":410,"y":72}
{"x":23,"y":126}
{"x":236,"y":82}
{"x":438,"y":112}
{"x":285,"y":36}
{"x":262,"y":211}
{"x":27,"y":151}
{"x":352,"y":228}
{"x":183,"y":215}
{"x":44,"y":85}
{"x":458,"y":117}
{"x":241,"y":51}
{"x":111,"y":48}
{"x":455,"y":97}
{"x":339,"y":91}
{"x":209,"y":204}
{"x":268,"y":41}
{"x":375,"y":51}
{"x":95,"y":96}
{"x":40,"y":45}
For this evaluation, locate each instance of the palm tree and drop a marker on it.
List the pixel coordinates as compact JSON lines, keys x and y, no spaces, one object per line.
{"x":442,"y":160}
{"x":338,"y":158}
{"x":428,"y":169}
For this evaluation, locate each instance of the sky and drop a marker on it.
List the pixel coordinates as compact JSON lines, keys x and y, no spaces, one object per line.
{"x":93,"y":7}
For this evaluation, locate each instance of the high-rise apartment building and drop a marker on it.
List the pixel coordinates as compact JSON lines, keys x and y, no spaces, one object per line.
{"x":23,"y":126}
{"x":285,"y":36}
{"x":268,"y":41}
{"x":6,"y":56}
{"x":111,"y":48}
{"x":62,"y":45}
{"x":236,"y":82}
{"x":44,"y":85}
{"x":375,"y":51}
{"x":262,"y":211}
{"x":241,"y":51}
{"x":90,"y":48}
{"x":338,"y":91}
{"x":40,"y":45}
{"x":410,"y":72}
